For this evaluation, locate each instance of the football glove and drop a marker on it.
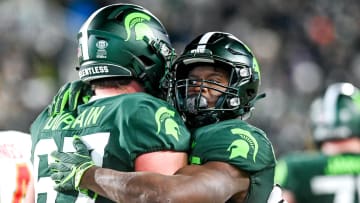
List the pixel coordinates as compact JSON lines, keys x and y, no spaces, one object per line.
{"x":276,"y":195}
{"x":68,"y":168}
{"x":69,"y":97}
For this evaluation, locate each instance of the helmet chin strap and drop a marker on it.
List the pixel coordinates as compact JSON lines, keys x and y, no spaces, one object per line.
{"x":195,"y":102}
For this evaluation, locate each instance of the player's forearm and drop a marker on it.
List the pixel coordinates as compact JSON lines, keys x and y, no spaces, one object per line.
{"x":88,"y":181}
{"x":151,"y":187}
{"x":124,"y":186}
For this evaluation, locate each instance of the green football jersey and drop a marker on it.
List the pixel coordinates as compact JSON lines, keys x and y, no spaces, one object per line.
{"x":116,"y":130}
{"x":318,"y":178}
{"x":241,"y":145}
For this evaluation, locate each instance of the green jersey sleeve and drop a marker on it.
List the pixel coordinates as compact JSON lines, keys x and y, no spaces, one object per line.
{"x":154,"y":125}
{"x":241,"y":145}
{"x":237,"y":143}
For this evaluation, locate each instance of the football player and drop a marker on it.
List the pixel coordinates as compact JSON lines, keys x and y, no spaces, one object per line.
{"x":123,"y":53}
{"x":330,"y":175}
{"x":215,"y":84}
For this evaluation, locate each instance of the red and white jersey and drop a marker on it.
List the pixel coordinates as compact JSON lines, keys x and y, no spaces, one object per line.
{"x":15,"y":165}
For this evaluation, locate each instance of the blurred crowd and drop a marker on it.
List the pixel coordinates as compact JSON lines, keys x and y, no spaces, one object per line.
{"x":302,"y":47}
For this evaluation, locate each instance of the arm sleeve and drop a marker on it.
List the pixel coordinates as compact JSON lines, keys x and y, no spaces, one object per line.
{"x":156,"y":127}
{"x":246,"y":149}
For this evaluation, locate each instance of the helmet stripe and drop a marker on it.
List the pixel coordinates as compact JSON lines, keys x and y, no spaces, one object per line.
{"x":203,"y":41}
{"x":331,"y":98}
{"x":83,"y":41}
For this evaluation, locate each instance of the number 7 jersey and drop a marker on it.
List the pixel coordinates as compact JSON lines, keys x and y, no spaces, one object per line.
{"x":116,"y":130}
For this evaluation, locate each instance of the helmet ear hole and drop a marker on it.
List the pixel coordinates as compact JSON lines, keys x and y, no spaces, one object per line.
{"x":250,"y":92}
{"x":146,"y":61}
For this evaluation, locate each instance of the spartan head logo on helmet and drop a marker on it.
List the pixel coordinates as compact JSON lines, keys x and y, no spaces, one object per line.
{"x":137,"y":21}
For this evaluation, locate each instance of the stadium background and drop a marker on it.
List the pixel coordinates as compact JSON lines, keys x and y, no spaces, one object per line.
{"x":302,"y":46}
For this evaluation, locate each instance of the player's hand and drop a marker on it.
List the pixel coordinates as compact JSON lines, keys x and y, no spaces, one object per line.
{"x":276,"y":195}
{"x":69,"y":97}
{"x":68,"y":168}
